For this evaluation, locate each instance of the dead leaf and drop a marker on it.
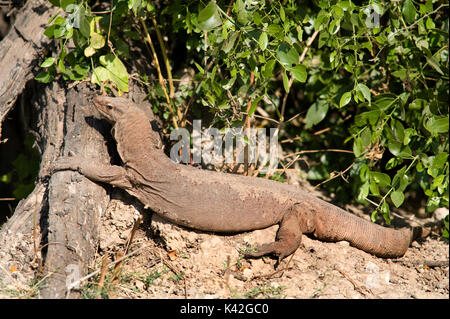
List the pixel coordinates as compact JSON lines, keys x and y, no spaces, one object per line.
{"x":172,"y":254}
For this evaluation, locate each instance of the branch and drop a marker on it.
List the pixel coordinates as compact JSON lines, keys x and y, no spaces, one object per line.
{"x":158,"y":68}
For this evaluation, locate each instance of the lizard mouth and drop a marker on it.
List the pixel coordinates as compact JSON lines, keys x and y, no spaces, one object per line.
{"x":100,"y":107}
{"x":96,"y":102}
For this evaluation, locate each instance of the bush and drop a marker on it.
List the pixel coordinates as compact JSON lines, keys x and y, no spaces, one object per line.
{"x":367,"y":85}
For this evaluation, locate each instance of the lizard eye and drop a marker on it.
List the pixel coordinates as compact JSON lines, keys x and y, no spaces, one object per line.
{"x":109,"y":106}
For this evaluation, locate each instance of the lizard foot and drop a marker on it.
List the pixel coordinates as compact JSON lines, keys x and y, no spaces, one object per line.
{"x":66,"y":163}
{"x":288,"y":239}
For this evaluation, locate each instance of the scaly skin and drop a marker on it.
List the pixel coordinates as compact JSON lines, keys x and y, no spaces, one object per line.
{"x":220,"y":202}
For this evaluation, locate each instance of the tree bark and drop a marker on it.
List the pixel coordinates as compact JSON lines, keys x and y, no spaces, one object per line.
{"x":21,"y":51}
{"x":53,"y":233}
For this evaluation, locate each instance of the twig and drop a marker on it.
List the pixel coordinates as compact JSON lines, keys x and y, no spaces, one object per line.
{"x":118,"y":266}
{"x":357,"y":287}
{"x":322,"y":131}
{"x":291,"y":80}
{"x":166,"y":60}
{"x":102,"y":274}
{"x":317,"y":151}
{"x":428,"y":263}
{"x":79,"y":281}
{"x":110,"y":21}
{"x":263,"y":117}
{"x":277,"y":271}
{"x":226,"y":276}
{"x":333,"y":177}
{"x":158,"y":68}
{"x":117,"y":269}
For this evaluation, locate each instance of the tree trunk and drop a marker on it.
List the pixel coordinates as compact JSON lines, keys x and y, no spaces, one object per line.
{"x":53,"y":233}
{"x":21,"y":51}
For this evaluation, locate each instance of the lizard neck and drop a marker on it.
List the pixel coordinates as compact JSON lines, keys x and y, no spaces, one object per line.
{"x":138,"y":145}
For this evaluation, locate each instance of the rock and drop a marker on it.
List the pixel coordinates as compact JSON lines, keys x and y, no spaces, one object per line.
{"x":174,"y":237}
{"x":440,"y":213}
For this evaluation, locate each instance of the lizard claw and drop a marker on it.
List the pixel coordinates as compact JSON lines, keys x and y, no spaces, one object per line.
{"x":65,"y":163}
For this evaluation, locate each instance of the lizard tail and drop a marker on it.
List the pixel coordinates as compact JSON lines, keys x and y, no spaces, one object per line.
{"x":335,"y":224}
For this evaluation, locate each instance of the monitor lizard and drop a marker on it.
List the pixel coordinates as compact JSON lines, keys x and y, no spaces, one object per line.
{"x":221,"y":202}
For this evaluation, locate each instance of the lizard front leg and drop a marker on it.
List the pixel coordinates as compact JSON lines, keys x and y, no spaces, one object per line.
{"x":111,"y":174}
{"x":289,"y":237}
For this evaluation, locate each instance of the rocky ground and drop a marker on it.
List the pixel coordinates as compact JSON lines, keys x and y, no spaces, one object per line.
{"x":167,"y":261}
{"x":174,"y":262}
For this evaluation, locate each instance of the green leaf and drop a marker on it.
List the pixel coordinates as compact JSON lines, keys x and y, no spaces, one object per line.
{"x":374,"y":189}
{"x":397,"y":198}
{"x":398,"y":149}
{"x":381,"y":179}
{"x":409,"y":11}
{"x":229,"y":42}
{"x":99,"y":75}
{"x":97,"y":41}
{"x":254,"y":105}
{"x":66,"y":3}
{"x":432,"y":203}
{"x":267,"y":69}
{"x":365,"y":91}
{"x":286,"y":82}
{"x":438,"y":161}
{"x":257,"y":18}
{"x":287,"y":55}
{"x":299,"y":72}
{"x":321,"y":20}
{"x":433,"y":62}
{"x":370,"y":116}
{"x":399,"y":130}
{"x":263,"y":40}
{"x":358,"y":148}
{"x":89,"y":51}
{"x":282,"y":14}
{"x":243,"y":15}
{"x":417,"y":104}
{"x":384,"y":101}
{"x":345,"y":99}
{"x":385,"y":211}
{"x":437,"y":181}
{"x":334,"y":26}
{"x":363,"y":192}
{"x":209,"y":17}
{"x":364,"y":172}
{"x":316,"y":113}
{"x":50,"y":31}
{"x":44,"y":77}
{"x":202,"y":71}
{"x":393,"y":162}
{"x":437,"y":125}
{"x":373,"y":216}
{"x":317,"y":173}
{"x":48,"y":62}
{"x":85,"y":27}
{"x":408,"y":133}
{"x":117,"y":71}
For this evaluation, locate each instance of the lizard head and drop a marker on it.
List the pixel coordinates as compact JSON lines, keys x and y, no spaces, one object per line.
{"x":113,"y":108}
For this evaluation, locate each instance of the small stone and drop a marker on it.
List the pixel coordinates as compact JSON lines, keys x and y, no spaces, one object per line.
{"x":440,"y":213}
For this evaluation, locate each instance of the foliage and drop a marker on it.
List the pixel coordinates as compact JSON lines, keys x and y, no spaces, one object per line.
{"x":371,"y":79}
{"x":25,"y":169}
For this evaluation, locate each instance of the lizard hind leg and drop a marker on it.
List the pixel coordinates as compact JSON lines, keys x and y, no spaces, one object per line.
{"x":289,"y":237}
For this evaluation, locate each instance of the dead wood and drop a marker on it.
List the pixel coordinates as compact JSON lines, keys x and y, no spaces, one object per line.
{"x":21,"y":51}
{"x":53,"y":233}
